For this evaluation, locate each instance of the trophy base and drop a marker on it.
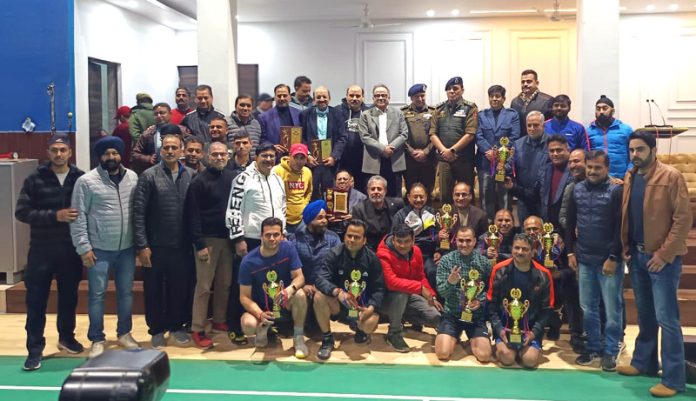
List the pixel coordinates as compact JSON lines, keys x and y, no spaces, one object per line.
{"x":466,"y":317}
{"x":444,"y":244}
{"x":353,"y":313}
{"x":548,"y":263}
{"x":500,"y":177}
{"x":276,"y":313}
{"x":515,"y":338}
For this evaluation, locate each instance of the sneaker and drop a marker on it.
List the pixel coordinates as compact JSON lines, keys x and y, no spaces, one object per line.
{"x":622,"y":347}
{"x":627,"y":370}
{"x":301,"y":350}
{"x":396,"y":340}
{"x":158,"y":341}
{"x":327,"y":345}
{"x":97,"y":349}
{"x":220,"y":328}
{"x":202,"y":340}
{"x":661,"y":391}
{"x":608,"y":363}
{"x":587,"y":358}
{"x":72,"y":346}
{"x":361,"y":337}
{"x":33,"y":362}
{"x":181,"y":337}
{"x":237,"y":339}
{"x":261,"y":340}
{"x":578,"y":345}
{"x":128,"y":342}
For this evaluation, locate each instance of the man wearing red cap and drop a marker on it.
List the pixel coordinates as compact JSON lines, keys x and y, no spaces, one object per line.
{"x":298,"y":183}
{"x":122,"y":115}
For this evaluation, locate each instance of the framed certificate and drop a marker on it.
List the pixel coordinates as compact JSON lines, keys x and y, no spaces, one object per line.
{"x":337,"y":202}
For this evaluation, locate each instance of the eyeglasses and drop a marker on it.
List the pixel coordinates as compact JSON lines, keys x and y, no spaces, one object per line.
{"x":380,"y":95}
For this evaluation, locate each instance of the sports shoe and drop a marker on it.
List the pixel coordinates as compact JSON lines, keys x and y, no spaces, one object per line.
{"x":33,"y":362}
{"x":237,"y":339}
{"x":327,"y":345}
{"x":627,"y":370}
{"x":396,"y":340}
{"x":301,"y":350}
{"x":202,"y":340}
{"x":71,"y":345}
{"x":661,"y":391}
{"x":578,"y":345}
{"x":261,"y":340}
{"x":220,"y":328}
{"x":97,"y":349}
{"x":608,"y":363}
{"x":181,"y":337}
{"x":128,"y":342}
{"x":622,"y":347}
{"x":587,"y":358}
{"x":158,"y":341}
{"x":361,"y":337}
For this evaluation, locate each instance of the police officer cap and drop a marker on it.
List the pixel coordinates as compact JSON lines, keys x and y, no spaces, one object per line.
{"x":454,"y":81}
{"x":417,"y":88}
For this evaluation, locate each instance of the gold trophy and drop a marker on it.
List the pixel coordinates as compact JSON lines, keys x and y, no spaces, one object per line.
{"x":272,"y":289}
{"x":516,"y":310}
{"x":470,"y":290}
{"x":502,"y":155}
{"x":446,"y":221}
{"x":547,"y":244}
{"x":355,"y":287}
{"x":493,"y":240}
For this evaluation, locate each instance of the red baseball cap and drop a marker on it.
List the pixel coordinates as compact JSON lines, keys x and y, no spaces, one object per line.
{"x":298,"y":148}
{"x":123,"y":111}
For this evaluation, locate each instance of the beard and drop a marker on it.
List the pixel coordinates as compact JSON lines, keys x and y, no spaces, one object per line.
{"x":604,"y":120}
{"x":110,"y":165}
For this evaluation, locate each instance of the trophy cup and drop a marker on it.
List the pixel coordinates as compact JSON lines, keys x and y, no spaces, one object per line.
{"x":355,"y":287}
{"x":502,"y":155}
{"x":272,"y":289}
{"x":493,"y":240}
{"x":516,"y":311}
{"x":547,"y":244}
{"x":470,"y":290}
{"x":446,"y":221}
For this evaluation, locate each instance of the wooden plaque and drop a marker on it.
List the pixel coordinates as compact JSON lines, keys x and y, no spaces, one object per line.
{"x":290,"y":136}
{"x":337,"y":202}
{"x":321,"y":149}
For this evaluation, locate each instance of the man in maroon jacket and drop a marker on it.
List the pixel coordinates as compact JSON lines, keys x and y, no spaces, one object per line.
{"x":122,"y":115}
{"x":409,"y":296}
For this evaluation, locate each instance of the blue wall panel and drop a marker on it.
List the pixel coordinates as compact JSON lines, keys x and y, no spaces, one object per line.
{"x":36,"y":48}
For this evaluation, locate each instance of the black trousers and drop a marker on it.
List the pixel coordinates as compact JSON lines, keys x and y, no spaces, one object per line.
{"x":43,"y":264}
{"x":394,"y":178}
{"x":167,"y":286}
{"x":568,"y":295}
{"x":234,"y":306}
{"x":322,"y":179}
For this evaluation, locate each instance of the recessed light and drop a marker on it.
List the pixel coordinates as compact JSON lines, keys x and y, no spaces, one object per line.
{"x":522,"y":11}
{"x":673,"y":7}
{"x":430,"y":13}
{"x":455,"y":12}
{"x":650,"y":7}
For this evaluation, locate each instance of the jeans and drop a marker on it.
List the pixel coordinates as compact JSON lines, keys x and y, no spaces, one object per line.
{"x":123,"y":264}
{"x":493,"y":194}
{"x":594,"y":288}
{"x":656,"y":301}
{"x":398,"y":306}
{"x":45,"y":262}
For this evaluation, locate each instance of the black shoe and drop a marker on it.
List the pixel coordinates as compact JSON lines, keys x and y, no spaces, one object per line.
{"x":553,"y":334}
{"x":33,"y":362}
{"x":396,"y":340}
{"x":587,"y":358}
{"x":237,"y":339}
{"x":578,"y":345}
{"x":608,"y":363}
{"x":71,"y":345}
{"x":361,"y":337}
{"x":416,"y":327}
{"x":327,"y":345}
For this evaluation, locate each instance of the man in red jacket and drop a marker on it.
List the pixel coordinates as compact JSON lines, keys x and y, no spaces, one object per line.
{"x":409,"y":295}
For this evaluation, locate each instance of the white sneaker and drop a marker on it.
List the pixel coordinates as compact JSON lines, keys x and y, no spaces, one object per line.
{"x":128,"y":342}
{"x":97,"y":349}
{"x":301,"y":350}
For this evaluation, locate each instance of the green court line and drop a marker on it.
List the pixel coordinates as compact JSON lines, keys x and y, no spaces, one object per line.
{"x":429,"y":381}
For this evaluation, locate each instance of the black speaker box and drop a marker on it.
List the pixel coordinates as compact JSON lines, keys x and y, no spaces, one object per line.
{"x":122,"y":375}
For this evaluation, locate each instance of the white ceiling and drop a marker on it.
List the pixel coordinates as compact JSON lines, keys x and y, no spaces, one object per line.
{"x":181,"y":14}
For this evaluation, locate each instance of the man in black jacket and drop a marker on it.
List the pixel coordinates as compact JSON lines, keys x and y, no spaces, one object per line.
{"x":206,"y":204}
{"x":349,"y":282}
{"x":44,"y":204}
{"x":159,"y":232}
{"x":198,"y":121}
{"x":377,"y":211}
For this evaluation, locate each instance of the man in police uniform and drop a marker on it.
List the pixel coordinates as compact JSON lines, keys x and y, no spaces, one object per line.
{"x":455,"y":138}
{"x":421,"y":163}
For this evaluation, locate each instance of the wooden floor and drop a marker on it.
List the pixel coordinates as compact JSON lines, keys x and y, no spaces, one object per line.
{"x":557,"y":354}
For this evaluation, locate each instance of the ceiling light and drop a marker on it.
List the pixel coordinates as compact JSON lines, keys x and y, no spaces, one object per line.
{"x":650,"y":7}
{"x":522,"y":11}
{"x":561,"y":10}
{"x":455,"y":12}
{"x":430,"y":13}
{"x":673,"y":7}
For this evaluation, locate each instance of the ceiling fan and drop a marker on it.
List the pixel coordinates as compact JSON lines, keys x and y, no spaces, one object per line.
{"x":555,"y":15}
{"x":366,"y":21}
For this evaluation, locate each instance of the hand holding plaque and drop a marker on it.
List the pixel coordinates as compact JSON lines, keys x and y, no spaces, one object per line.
{"x":471,"y":289}
{"x":355,"y":288}
{"x":274,"y":291}
{"x":502,"y":155}
{"x":516,"y":310}
{"x":446,"y":221}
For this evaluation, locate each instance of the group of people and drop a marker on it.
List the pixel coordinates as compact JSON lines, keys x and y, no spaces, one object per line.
{"x":229,"y":206}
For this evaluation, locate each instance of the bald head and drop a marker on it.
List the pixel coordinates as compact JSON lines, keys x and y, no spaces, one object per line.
{"x":532,"y":225}
{"x":322,"y":97}
{"x":355,"y":97}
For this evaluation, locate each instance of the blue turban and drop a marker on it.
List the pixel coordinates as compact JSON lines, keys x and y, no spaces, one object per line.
{"x":109,"y":142}
{"x":312,"y":210}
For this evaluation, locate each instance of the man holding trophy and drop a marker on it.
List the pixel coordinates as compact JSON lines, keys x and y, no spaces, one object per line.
{"x":520,"y":301}
{"x":270,"y":287}
{"x":461,"y":279}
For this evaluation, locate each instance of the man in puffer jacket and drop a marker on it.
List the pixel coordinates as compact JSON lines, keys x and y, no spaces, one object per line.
{"x":103,"y":237}
{"x":610,"y":135}
{"x":297,"y":180}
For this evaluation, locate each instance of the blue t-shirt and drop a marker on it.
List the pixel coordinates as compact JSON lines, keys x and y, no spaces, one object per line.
{"x":522,"y":281}
{"x":635,"y":209}
{"x":255,"y":268}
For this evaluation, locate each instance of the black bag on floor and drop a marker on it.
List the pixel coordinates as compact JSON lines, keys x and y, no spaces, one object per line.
{"x":122,"y":375}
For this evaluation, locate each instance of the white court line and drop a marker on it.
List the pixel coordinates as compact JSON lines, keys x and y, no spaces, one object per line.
{"x":289,"y":394}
